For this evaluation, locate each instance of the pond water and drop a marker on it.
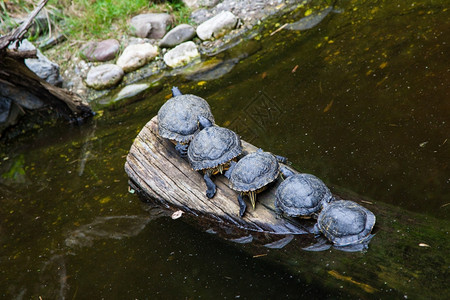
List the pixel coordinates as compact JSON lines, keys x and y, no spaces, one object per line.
{"x":361,"y":100}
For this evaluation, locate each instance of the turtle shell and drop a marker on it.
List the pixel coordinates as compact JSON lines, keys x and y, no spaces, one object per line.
{"x":178,"y":117}
{"x":301,"y":195}
{"x":346,"y":222}
{"x":254,"y":171}
{"x":213,"y":146}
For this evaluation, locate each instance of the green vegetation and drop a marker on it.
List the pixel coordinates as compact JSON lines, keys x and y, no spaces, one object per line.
{"x":87,"y":19}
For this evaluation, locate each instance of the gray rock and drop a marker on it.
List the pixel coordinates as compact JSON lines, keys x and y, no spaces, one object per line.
{"x":152,"y":26}
{"x":248,"y":11}
{"x":217,"y":25}
{"x":104,"y":76}
{"x":200,"y":15}
{"x":200,"y":3}
{"x":100,"y":51}
{"x":41,"y":66}
{"x":44,"y":68}
{"x":212,"y":70}
{"x":135,"y":56}
{"x":130,"y":91}
{"x":310,"y":21}
{"x":181,"y":54}
{"x":177,"y":35}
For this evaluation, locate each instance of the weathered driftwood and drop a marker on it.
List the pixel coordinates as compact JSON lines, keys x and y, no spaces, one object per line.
{"x":157,"y":171}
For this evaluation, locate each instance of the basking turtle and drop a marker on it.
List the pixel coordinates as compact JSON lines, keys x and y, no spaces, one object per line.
{"x":346,"y":224}
{"x":178,"y":118}
{"x":301,"y":195}
{"x":251,"y":175}
{"x":212,"y":150}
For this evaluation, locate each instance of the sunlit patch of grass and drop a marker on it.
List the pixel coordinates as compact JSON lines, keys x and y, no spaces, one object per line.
{"x":87,"y":19}
{"x":12,"y":12}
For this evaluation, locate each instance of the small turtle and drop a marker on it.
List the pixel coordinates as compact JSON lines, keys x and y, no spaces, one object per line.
{"x":346,"y":224}
{"x":251,"y":175}
{"x":301,"y":195}
{"x":178,"y":118}
{"x":212,"y":150}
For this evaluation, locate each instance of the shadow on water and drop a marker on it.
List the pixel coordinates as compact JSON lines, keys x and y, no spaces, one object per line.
{"x":360,"y":100}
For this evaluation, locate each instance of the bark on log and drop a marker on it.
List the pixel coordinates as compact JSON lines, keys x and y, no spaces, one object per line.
{"x":157,"y":171}
{"x":15,"y":73}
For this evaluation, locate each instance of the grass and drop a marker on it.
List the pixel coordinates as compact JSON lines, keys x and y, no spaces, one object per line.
{"x":90,"y":19}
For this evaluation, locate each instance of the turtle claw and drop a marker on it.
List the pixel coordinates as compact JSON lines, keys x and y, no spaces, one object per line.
{"x":182,"y":149}
{"x":210,"y":192}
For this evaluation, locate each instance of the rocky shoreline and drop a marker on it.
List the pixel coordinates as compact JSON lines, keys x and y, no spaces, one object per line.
{"x":148,"y":49}
{"x":107,"y":71}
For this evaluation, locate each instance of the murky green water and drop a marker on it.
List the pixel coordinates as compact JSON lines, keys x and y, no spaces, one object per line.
{"x":361,"y":100}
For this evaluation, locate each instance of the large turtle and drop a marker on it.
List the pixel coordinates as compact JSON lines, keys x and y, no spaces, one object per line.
{"x":212,"y":150}
{"x":251,"y":175}
{"x":346,"y":224}
{"x":301,"y":195}
{"x":178,"y":118}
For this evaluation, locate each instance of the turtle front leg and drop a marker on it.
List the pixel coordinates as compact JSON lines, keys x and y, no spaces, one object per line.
{"x":182,"y":149}
{"x":210,"y":185}
{"x":242,"y":205}
{"x":281,"y":159}
{"x":230,"y":170}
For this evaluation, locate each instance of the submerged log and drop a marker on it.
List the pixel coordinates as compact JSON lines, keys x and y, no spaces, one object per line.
{"x":157,"y":171}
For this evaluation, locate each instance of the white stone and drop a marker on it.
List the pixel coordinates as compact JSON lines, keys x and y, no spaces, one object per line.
{"x":104,"y":76}
{"x":217,"y":25}
{"x":135,"y":56}
{"x":200,"y":3}
{"x":178,"y":35}
{"x":181,"y":54}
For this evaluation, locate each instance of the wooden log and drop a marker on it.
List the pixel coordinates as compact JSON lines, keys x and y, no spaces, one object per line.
{"x":71,"y":106}
{"x":15,"y":73}
{"x":157,"y":171}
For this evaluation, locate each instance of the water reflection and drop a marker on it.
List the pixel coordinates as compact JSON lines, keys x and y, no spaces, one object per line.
{"x":360,"y":100}
{"x":113,"y":227}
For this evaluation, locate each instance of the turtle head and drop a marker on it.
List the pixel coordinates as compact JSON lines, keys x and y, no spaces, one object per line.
{"x":176,"y":92}
{"x":286,"y":172}
{"x":204,"y":122}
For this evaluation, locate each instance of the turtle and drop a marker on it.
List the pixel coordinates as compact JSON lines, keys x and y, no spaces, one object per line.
{"x":178,"y":118}
{"x":301,"y":195}
{"x":346,"y":224}
{"x":211,"y":151}
{"x":251,"y":175}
